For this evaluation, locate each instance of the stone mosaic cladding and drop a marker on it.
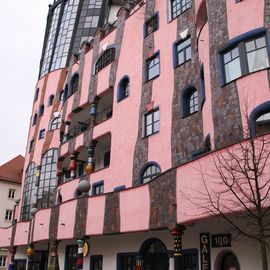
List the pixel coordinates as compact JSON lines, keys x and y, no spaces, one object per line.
{"x":80,"y":218}
{"x":187,"y":133}
{"x":54,"y":223}
{"x":225,"y":100}
{"x":140,"y":156}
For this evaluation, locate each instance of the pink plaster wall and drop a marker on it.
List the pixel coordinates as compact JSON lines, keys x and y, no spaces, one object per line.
{"x":79,"y":142}
{"x":135,"y":209}
{"x":104,"y":174}
{"x":95,"y":215}
{"x":253,"y":90}
{"x":67,"y":190}
{"x":241,"y":19}
{"x":21,"y":235}
{"x":64,"y":149}
{"x":67,"y":217}
{"x":5,"y":236}
{"x":41,"y":225}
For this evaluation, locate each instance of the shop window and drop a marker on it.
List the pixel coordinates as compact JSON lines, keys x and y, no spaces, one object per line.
{"x":151,"y":122}
{"x":71,"y":257}
{"x":105,"y":59}
{"x":151,"y":25}
{"x":152,"y":67}
{"x":29,"y":191}
{"x":182,"y":52}
{"x":3,"y":261}
{"x":50,"y":100}
{"x":126,"y":261}
{"x":190,"y":102}
{"x":96,"y":262}
{"x":245,"y":54}
{"x":98,"y":188}
{"x":123,"y":88}
{"x":55,"y":123}
{"x":179,"y":6}
{"x":149,"y":171}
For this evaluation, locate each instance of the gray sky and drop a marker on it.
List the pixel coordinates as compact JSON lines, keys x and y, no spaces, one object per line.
{"x":22,"y":26}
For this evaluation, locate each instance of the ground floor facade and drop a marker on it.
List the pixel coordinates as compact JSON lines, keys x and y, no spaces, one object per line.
{"x":205,"y":245}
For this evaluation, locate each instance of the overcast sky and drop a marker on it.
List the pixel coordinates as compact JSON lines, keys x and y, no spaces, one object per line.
{"x":22,"y":27}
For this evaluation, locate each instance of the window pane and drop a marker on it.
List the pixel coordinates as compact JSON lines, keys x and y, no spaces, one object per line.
{"x":250,"y":46}
{"x":148,"y":130}
{"x":188,"y":53}
{"x":233,"y":70}
{"x":181,"y":58}
{"x":260,"y":42}
{"x":156,"y":127}
{"x":227,"y":57}
{"x":148,"y":119}
{"x":258,"y":60}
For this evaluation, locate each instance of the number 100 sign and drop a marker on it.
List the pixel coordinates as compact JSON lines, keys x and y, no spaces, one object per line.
{"x":221,"y":240}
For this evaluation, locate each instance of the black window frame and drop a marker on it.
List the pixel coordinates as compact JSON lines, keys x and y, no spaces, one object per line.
{"x":31,"y":145}
{"x":239,"y":42}
{"x":92,"y":261}
{"x":41,"y":111}
{"x":36,"y":95}
{"x":183,"y":50}
{"x":71,"y":262}
{"x":106,"y":58}
{"x":152,"y":112}
{"x":121,"y":256}
{"x":152,"y":176}
{"x":50,"y":100}
{"x":98,"y":186}
{"x":56,"y":125}
{"x":34,"y":119}
{"x":156,"y":55}
{"x":185,"y":101}
{"x":74,"y":84}
{"x":9,"y":215}
{"x":182,"y":7}
{"x":152,"y":23}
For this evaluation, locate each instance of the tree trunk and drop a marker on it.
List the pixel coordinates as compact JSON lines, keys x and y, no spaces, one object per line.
{"x":263,"y":255}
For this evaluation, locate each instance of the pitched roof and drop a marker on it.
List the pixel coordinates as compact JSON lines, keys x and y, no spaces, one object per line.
{"x":12,"y":170}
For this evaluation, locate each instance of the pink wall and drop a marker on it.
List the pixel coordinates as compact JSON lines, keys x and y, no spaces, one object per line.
{"x":241,"y":19}
{"x":95,"y":215}
{"x":67,"y":190}
{"x":66,"y":220}
{"x":135,"y":209}
{"x":21,"y":235}
{"x":5,"y":236}
{"x":42,"y":225}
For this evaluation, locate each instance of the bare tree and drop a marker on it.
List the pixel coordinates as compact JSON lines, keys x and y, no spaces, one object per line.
{"x":240,"y":186}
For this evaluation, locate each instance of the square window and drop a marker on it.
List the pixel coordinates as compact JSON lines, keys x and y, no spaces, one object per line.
{"x":9,"y":215}
{"x":41,"y":134}
{"x":152,"y":67}
{"x":179,"y":6}
{"x":96,"y":262}
{"x":151,"y":25}
{"x":151,"y":122}
{"x":182,"y":52}
{"x":98,"y":188}
{"x":11,"y":193}
{"x":3,"y":261}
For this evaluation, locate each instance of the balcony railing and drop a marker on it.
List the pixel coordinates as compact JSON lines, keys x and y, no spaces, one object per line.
{"x":83,"y":126}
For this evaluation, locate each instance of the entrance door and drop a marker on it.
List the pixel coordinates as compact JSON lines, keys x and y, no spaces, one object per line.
{"x":156,"y":257}
{"x":40,"y":260}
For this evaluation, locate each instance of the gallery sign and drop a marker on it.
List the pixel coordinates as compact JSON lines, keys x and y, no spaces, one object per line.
{"x":221,"y":240}
{"x":205,"y":251}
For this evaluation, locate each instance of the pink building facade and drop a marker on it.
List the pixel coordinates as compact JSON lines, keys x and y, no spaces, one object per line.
{"x":122,"y":141}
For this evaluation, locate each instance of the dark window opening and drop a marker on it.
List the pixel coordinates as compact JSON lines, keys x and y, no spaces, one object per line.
{"x":123,"y":89}
{"x":55,"y":124}
{"x":96,"y":262}
{"x":190,"y":103}
{"x":41,"y":134}
{"x":34,"y":119}
{"x":98,"y":188}
{"x":74,"y":85}
{"x":105,"y":59}
{"x":71,"y":257}
{"x":50,"y":100}
{"x":41,"y":110}
{"x":149,"y":172}
{"x":36,"y":95}
{"x":151,"y":25}
{"x":152,"y":67}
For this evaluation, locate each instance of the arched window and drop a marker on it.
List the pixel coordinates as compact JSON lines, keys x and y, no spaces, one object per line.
{"x":149,"y":171}
{"x":36,"y":95}
{"x":123,"y":88}
{"x":50,"y":100}
{"x":34,"y":119}
{"x":74,"y":84}
{"x":260,"y":119}
{"x":55,"y":123}
{"x":41,"y":110}
{"x":105,"y":59}
{"x":65,"y":95}
{"x":48,"y":180}
{"x":190,"y":103}
{"x":229,"y":261}
{"x":29,"y":191}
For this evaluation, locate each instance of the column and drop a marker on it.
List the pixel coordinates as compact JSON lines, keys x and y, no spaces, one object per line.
{"x":93,"y":113}
{"x":30,"y":252}
{"x":176,"y":260}
{"x":12,"y":253}
{"x":53,"y":263}
{"x":73,"y":165}
{"x":90,"y":156}
{"x":80,"y":255}
{"x":171,"y":263}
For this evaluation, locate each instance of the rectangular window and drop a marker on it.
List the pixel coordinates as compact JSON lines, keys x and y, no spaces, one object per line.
{"x":151,"y":122}
{"x":127,"y":262}
{"x":244,"y":55}
{"x":3,"y":261}
{"x":152,"y":67}
{"x":179,"y":6}
{"x":96,"y":262}
{"x":151,"y":25}
{"x":11,"y":193}
{"x":71,"y":257}
{"x":31,"y":145}
{"x":41,"y":134}
{"x":9,"y":215}
{"x":98,"y":188}
{"x":182,"y":52}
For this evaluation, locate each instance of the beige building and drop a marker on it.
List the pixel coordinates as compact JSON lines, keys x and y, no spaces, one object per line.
{"x":10,"y":189}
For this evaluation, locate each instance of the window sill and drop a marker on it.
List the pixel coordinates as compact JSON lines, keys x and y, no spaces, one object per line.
{"x":186,"y":116}
{"x":177,"y":66}
{"x":146,"y":136}
{"x":149,"y":80}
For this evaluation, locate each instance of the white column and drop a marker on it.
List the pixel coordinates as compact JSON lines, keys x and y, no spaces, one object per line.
{"x":171,"y":263}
